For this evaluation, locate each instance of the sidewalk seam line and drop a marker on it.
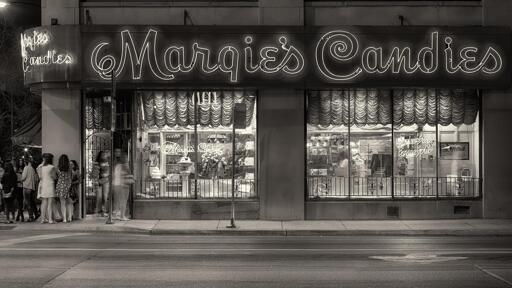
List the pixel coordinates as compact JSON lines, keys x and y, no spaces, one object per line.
{"x":342,"y":225}
{"x":494,"y":276}
{"x":68,"y":269}
{"x":408,"y":226}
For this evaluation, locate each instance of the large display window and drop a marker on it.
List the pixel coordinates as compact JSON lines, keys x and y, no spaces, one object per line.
{"x":185,"y":145}
{"x":397,"y":143}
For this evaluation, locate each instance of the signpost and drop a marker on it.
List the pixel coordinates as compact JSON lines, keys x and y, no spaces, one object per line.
{"x":112,"y":132}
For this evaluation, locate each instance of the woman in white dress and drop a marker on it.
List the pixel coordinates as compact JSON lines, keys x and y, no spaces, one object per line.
{"x":47,"y":175}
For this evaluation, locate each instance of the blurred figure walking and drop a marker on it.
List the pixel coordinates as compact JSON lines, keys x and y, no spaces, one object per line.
{"x":121,"y":184}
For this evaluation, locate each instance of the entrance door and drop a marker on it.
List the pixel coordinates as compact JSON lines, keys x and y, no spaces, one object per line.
{"x":98,"y":137}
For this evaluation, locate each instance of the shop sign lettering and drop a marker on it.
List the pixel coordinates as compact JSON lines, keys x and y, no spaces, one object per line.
{"x":180,"y":59}
{"x":339,"y":56}
{"x":173,"y":148}
{"x":415,"y":147}
{"x":35,"y":51}
{"x":340,"y":47}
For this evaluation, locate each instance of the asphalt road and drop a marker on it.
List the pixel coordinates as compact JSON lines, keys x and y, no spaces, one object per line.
{"x":31,"y":259}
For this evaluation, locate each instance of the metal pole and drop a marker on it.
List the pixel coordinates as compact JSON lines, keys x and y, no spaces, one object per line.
{"x":233,"y":176}
{"x":12,"y":126}
{"x":196,"y":142}
{"x":112,"y":131}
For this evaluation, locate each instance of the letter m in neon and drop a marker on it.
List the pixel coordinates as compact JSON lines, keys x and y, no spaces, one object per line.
{"x":146,"y":51}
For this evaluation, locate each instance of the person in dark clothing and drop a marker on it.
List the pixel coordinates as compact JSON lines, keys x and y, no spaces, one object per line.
{"x":19,"y":203}
{"x":9,"y":183}
{"x":30,"y":182}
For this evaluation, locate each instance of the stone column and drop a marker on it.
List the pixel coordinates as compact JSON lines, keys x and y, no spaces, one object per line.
{"x":61,"y":116}
{"x":281,"y":131}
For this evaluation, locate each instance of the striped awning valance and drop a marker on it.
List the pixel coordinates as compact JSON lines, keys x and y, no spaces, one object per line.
{"x":399,"y":106}
{"x":178,"y":107}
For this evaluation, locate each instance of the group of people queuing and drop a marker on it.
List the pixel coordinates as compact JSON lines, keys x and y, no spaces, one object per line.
{"x":50,"y":193}
{"x":23,"y":186}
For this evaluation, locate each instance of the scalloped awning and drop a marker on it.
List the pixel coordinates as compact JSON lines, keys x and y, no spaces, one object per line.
{"x":399,"y":106}
{"x":177,"y":107}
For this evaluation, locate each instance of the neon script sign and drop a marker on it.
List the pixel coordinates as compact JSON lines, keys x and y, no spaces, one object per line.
{"x":35,"y":51}
{"x":176,"y":59}
{"x":340,"y":47}
{"x":336,"y":56}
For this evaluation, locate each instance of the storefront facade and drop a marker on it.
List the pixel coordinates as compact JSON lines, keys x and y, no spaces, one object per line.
{"x":312,"y":122}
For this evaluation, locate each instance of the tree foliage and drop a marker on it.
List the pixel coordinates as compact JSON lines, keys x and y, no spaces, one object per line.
{"x":26,"y":104}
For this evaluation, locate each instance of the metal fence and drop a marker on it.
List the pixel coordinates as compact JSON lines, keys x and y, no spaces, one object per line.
{"x":196,"y":189}
{"x":325,"y":187}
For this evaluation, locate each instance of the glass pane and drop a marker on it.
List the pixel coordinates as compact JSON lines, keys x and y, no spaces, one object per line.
{"x":327,"y":161}
{"x":415,"y":161}
{"x":371,"y":161}
{"x":186,"y":140}
{"x":215,"y":162}
{"x":459,"y":161}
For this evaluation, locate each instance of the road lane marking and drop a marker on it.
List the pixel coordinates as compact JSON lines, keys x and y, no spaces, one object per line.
{"x":14,"y":241}
{"x":493,"y":275}
{"x":418,"y":258}
{"x":434,"y":251}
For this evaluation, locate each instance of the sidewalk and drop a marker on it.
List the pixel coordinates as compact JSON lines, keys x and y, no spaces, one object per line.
{"x":466,"y":227}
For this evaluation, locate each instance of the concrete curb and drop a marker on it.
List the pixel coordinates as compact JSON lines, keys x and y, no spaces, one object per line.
{"x":444,"y":232}
{"x":263,"y":232}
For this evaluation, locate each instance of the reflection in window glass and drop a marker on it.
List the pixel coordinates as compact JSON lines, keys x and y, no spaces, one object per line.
{"x":415,"y":160}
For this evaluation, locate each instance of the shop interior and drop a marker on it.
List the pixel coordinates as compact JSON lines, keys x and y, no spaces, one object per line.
{"x":367,"y":143}
{"x":185,"y":145}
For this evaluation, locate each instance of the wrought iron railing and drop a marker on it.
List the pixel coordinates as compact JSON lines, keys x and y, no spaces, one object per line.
{"x":196,"y":189}
{"x":325,"y":187}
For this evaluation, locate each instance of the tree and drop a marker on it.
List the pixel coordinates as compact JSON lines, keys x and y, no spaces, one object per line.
{"x":26,"y":104}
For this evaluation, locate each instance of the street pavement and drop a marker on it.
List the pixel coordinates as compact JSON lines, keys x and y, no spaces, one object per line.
{"x":35,"y":258}
{"x":461,"y":227}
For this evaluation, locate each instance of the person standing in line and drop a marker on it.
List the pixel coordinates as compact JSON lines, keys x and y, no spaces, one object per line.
{"x":9,"y":182}
{"x":30,"y":179}
{"x":121,"y":184}
{"x":75,"y":182}
{"x":63,"y":188}
{"x":2,"y":170}
{"x":101,"y":171}
{"x":20,"y":165}
{"x":48,"y":175}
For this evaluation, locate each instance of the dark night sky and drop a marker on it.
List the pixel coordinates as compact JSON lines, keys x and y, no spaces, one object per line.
{"x":22,"y":13}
